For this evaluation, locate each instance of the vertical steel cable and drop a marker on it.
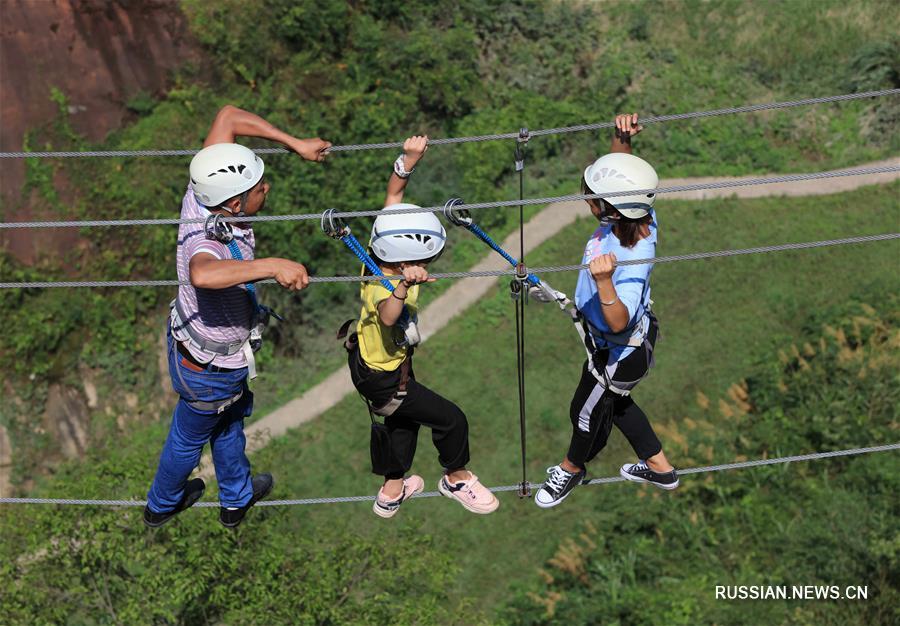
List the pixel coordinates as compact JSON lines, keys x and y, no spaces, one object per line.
{"x":522,"y":288}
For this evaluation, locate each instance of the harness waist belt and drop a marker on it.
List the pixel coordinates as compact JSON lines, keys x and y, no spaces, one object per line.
{"x":631,"y":337}
{"x":207,"y":345}
{"x":218,"y":406}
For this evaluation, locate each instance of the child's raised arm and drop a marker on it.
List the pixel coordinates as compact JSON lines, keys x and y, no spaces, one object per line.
{"x":413,"y":149}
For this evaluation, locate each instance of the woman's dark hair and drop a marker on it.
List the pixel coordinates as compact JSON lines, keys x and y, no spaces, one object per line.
{"x":627,"y":230}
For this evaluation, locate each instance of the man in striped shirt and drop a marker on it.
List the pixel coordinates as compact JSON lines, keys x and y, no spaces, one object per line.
{"x":212,"y":322}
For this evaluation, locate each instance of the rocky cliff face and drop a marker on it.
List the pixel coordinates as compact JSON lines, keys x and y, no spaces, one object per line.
{"x":100,"y":53}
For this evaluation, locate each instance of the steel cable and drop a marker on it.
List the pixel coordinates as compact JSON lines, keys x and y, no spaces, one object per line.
{"x":477,"y":138}
{"x":720,"y":184}
{"x":483,"y":273}
{"x":431,"y":494}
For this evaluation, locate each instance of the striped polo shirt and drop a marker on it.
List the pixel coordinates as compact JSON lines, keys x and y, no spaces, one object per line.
{"x":217,"y":314}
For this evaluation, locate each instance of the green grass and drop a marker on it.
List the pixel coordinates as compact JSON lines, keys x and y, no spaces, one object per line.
{"x":718,"y":317}
{"x":720,"y":320}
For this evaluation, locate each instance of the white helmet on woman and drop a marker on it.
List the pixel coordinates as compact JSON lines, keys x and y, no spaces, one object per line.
{"x":406,"y":236}
{"x":224,"y":170}
{"x":619,"y":171}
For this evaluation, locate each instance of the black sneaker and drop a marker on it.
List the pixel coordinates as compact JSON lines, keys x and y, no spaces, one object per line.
{"x":640,"y":473}
{"x":193,"y":490}
{"x":557,"y":486}
{"x":262,"y":485}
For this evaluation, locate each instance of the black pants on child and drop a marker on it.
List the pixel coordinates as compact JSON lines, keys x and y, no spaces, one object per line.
{"x":595,"y":409}
{"x":421,"y":407}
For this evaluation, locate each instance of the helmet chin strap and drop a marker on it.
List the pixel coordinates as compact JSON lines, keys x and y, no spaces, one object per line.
{"x":242,"y":204}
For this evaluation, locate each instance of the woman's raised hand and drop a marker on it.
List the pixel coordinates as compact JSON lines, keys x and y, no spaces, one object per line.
{"x":627,"y":126}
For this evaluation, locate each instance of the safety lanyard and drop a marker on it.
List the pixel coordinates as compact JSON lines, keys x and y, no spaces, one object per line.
{"x":251,"y":288}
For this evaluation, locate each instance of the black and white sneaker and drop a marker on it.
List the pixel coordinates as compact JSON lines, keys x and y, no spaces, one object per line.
{"x":640,"y":473}
{"x":558,"y":485}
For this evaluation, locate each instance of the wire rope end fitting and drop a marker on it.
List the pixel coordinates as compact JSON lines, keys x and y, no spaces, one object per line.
{"x":524,"y":490}
{"x":333,"y":226}
{"x":458,"y":217}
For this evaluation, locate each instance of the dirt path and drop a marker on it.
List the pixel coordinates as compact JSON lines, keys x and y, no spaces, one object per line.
{"x":467,"y":291}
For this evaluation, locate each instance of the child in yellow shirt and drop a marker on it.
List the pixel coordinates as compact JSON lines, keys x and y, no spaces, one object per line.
{"x":380,"y":357}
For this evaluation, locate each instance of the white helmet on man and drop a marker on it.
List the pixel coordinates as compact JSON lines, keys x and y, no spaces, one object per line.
{"x":619,"y":171}
{"x":406,"y":236}
{"x":222,"y":171}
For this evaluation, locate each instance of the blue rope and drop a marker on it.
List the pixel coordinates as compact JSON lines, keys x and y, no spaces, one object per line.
{"x":475,"y":229}
{"x":251,"y":288}
{"x":356,"y":248}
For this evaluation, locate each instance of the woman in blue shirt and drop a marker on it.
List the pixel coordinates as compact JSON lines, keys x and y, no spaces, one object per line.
{"x":620,"y":329}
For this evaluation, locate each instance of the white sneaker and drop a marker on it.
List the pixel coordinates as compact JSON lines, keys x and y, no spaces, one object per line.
{"x":386,"y":507}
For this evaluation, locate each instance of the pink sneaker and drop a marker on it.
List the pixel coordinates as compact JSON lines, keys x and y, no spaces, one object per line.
{"x":385,"y":507}
{"x":471,"y":494}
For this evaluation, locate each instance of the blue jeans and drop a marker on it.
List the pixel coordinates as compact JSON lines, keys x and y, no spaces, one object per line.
{"x":192,"y":428}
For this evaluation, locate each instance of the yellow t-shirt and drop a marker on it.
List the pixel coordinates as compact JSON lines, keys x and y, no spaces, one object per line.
{"x":376,"y":340}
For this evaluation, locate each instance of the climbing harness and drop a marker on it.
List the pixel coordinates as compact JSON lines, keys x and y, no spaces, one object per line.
{"x":351,"y":344}
{"x":182,"y":331}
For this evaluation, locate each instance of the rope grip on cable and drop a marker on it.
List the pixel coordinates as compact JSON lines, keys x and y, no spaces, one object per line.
{"x":217,"y":229}
{"x":457,"y":217}
{"x":334,"y":227}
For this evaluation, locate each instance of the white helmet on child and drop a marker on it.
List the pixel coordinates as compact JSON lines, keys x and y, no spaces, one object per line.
{"x":406,"y":236}
{"x":619,"y":171}
{"x":222,"y":171}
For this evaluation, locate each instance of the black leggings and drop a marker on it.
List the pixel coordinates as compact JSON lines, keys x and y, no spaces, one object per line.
{"x":595,"y":409}
{"x":421,"y":407}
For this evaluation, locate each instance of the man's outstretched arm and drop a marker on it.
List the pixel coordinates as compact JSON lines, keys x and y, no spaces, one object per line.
{"x":232,"y":122}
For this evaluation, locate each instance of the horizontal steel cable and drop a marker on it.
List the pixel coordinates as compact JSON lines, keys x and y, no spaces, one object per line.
{"x":716,"y":184}
{"x":454,"y":140}
{"x":483,"y":273}
{"x":431,"y":494}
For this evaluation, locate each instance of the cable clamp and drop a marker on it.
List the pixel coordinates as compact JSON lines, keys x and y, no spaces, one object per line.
{"x":459,"y":217}
{"x":332,"y":226}
{"x":521,"y":141}
{"x":517,"y":287}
